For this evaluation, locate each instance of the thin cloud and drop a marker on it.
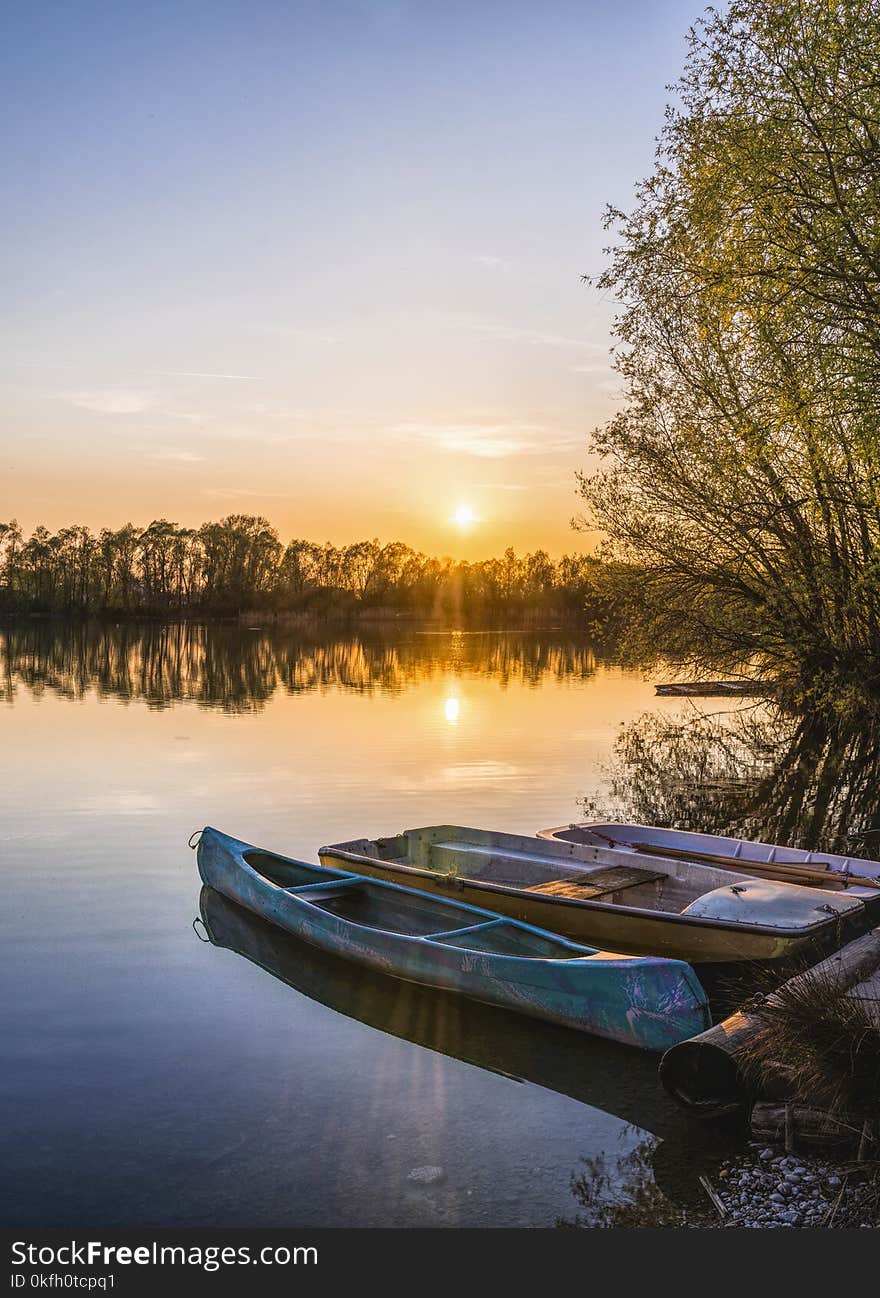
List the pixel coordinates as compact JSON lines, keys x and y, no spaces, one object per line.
{"x":268,"y":411}
{"x":200,"y":374}
{"x":499,"y":264}
{"x":312,"y":336}
{"x":489,"y":441}
{"x":243,"y":493}
{"x":180,"y":374}
{"x":493,"y":331}
{"x":190,"y":416}
{"x":111,"y":401}
{"x":487,"y":446}
{"x":177,"y":456}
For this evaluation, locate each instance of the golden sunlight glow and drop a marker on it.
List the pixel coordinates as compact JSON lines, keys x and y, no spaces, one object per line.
{"x":464,"y":517}
{"x":451,"y":710}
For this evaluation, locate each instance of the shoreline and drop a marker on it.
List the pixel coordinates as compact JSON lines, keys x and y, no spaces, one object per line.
{"x":763,"y":1187}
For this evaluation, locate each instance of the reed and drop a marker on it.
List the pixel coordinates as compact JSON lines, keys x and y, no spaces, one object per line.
{"x":823,"y":1046}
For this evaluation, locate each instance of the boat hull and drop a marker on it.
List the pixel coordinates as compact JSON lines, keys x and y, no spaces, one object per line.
{"x":649,"y":1003}
{"x":620,"y":928}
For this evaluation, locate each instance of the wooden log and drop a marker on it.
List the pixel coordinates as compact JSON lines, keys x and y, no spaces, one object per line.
{"x":810,"y":1128}
{"x":704,"y":1074}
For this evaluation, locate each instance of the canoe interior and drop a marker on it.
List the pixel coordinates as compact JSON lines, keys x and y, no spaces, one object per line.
{"x":287,"y":874}
{"x":598,"y":874}
{"x":377,"y":906}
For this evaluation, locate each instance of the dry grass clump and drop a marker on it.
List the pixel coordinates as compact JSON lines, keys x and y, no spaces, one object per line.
{"x":821,"y":1044}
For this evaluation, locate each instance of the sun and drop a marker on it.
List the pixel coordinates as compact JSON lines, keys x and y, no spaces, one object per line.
{"x":464,"y":517}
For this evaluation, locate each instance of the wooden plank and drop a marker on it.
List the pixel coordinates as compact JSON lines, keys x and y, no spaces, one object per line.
{"x":598,"y":883}
{"x":566,"y":888}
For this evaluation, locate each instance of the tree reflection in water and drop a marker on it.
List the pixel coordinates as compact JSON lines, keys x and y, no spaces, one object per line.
{"x":238,"y":670}
{"x":624,"y":1192}
{"x":755,"y":773}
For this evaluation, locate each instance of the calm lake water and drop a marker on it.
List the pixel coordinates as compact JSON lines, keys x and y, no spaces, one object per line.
{"x":153,"y":1079}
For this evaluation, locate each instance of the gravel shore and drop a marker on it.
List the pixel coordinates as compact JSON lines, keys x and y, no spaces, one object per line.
{"x":766,"y":1188}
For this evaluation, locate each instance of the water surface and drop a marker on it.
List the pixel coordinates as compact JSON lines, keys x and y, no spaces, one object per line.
{"x":152,"y":1079}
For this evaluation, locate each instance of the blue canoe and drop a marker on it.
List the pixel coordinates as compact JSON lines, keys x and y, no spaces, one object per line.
{"x":637,"y":1000}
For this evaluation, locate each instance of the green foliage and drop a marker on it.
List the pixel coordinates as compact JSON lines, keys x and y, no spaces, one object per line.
{"x":741,"y":479}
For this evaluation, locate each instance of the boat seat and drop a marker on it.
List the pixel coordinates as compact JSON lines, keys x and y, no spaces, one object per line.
{"x":598,"y":883}
{"x":539,"y":857}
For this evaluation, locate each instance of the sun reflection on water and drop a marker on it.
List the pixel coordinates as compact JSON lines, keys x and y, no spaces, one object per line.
{"x":451,"y":710}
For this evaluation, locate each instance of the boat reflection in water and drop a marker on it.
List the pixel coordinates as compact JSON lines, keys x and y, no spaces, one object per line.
{"x":617,"y":1079}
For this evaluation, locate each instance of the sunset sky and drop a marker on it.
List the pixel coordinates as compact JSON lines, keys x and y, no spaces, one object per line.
{"x":318,"y":261}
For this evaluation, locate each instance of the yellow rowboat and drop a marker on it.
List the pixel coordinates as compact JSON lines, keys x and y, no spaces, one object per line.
{"x":665,"y":907}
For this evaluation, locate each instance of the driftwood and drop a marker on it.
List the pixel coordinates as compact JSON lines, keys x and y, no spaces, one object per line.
{"x":809,"y":1128}
{"x":712,"y":689}
{"x":704,"y":1074}
{"x":720,"y":1206}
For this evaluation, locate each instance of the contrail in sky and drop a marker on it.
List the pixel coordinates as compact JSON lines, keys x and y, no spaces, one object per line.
{"x":180,"y":374}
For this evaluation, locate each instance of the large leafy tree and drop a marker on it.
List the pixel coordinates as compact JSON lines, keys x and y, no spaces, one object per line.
{"x":741,"y":478}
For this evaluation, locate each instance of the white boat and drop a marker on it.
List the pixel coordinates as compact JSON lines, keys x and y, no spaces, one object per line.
{"x":856,"y":875}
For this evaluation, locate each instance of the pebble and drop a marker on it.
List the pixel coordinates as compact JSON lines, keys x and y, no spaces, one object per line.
{"x":769,"y":1190}
{"x":426,"y":1175}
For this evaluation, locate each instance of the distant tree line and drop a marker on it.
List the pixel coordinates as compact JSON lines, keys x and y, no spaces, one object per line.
{"x":240,"y":565}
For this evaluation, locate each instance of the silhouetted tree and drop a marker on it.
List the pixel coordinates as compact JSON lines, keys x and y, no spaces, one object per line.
{"x":239,"y":565}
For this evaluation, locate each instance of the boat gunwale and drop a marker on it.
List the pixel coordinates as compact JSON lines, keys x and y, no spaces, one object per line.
{"x":237,"y":849}
{"x":603,"y":907}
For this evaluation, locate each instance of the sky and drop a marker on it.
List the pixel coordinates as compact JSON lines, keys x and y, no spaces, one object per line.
{"x":317,"y":259}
